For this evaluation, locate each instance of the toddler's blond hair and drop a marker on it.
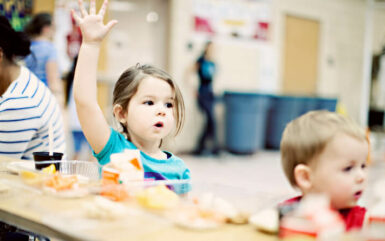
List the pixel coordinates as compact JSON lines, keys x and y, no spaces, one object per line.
{"x":306,"y":137}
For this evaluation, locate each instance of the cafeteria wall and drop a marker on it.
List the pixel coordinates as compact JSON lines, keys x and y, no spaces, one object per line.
{"x":341,"y":54}
{"x":243,"y":65}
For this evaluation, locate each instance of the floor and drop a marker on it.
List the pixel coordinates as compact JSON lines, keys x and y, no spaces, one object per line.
{"x":257,"y":181}
{"x":252,"y":181}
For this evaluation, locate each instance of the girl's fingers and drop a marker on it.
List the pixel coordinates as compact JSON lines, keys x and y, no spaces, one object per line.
{"x":102,"y":10}
{"x":92,"y":7}
{"x":82,"y":9}
{"x":111,"y":24}
{"x":76,"y":16}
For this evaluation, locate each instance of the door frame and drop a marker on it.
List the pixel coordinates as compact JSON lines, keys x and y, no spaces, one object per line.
{"x":281,"y":31}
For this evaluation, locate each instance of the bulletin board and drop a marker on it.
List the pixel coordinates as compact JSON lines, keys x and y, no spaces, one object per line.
{"x":246,"y":19}
{"x":18,"y":12}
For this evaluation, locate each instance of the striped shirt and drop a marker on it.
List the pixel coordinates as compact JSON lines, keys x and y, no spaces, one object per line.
{"x":26,"y":108}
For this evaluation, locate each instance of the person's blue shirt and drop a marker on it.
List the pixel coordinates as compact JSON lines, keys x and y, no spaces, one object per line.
{"x":206,"y":70}
{"x":172,"y":168}
{"x":42,"y":52}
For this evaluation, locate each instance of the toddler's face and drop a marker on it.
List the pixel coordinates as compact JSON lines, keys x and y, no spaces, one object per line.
{"x":150,"y":113}
{"x":340,"y":170}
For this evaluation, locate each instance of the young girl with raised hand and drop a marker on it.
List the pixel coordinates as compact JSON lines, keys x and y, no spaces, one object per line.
{"x":146,"y":102}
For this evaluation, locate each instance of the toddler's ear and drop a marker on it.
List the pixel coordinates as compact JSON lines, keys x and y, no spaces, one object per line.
{"x":302,"y":177}
{"x":119,"y":113}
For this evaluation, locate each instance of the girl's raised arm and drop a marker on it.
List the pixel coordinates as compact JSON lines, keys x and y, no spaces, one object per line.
{"x":94,"y":125}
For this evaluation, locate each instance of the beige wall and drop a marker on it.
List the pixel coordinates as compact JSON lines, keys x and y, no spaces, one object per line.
{"x":241,"y":63}
{"x":134,"y":40}
{"x":249,"y":65}
{"x":341,"y":45}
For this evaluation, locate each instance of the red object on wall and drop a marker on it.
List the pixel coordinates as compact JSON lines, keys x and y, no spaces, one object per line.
{"x":74,"y":40}
{"x":202,"y":25}
{"x":262,"y":31}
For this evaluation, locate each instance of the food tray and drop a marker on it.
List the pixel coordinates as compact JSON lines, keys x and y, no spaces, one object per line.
{"x":91,"y":170}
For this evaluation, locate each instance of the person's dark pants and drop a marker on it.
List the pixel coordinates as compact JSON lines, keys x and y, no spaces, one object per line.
{"x":206,"y":103}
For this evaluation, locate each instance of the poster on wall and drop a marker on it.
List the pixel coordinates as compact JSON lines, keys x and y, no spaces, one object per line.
{"x":244,"y":19}
{"x":18,"y":12}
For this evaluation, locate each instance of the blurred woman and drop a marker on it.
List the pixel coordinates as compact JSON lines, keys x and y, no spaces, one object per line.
{"x":27,"y":106}
{"x":206,"y":68}
{"x":43,"y":58}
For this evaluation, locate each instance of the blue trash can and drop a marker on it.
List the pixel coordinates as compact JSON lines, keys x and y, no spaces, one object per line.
{"x":246,"y":116}
{"x":283,"y":110}
{"x":308,"y":104}
{"x":329,"y":104}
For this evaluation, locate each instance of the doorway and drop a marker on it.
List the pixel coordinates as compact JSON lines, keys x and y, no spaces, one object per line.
{"x":301,"y":56}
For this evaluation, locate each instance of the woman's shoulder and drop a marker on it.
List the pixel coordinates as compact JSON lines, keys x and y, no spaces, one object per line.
{"x":22,"y":87}
{"x":25,"y":100}
{"x":41,"y":43}
{"x":33,"y":87}
{"x":42,"y":48}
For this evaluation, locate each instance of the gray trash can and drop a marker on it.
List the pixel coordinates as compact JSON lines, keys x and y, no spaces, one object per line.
{"x":246,"y":116}
{"x":308,"y":104}
{"x":329,"y":104}
{"x":283,"y":110}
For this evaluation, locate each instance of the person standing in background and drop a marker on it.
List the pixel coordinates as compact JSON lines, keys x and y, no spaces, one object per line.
{"x":206,"y":68}
{"x":43,"y":58}
{"x":80,"y":143}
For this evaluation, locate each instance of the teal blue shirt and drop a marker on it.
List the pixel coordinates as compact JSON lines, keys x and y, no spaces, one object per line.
{"x":172,"y":168}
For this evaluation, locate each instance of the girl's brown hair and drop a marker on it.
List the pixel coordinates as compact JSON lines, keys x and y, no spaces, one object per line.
{"x":127,"y":86}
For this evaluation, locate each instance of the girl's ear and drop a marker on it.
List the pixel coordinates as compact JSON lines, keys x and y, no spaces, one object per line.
{"x":119,"y":113}
{"x":302,"y":176}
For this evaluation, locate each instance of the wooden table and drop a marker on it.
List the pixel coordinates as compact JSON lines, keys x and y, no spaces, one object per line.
{"x":61,"y":218}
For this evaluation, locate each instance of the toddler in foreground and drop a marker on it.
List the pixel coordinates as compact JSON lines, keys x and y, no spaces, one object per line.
{"x":324,"y":152}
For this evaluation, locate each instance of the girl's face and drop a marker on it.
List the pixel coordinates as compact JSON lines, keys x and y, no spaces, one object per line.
{"x":340,"y":171}
{"x":150,"y":112}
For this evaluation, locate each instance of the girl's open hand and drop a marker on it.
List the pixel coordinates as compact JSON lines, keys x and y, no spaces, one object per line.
{"x":91,"y":24}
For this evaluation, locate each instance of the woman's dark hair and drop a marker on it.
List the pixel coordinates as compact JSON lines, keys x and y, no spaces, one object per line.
{"x":69,"y":78}
{"x":12,"y":43}
{"x":37,"y":23}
